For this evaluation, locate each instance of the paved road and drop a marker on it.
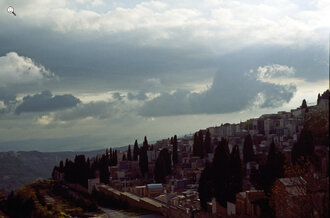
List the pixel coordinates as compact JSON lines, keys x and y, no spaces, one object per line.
{"x":115,"y":214}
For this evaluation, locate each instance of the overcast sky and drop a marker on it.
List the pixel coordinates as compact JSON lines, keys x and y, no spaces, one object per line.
{"x":88,"y":74}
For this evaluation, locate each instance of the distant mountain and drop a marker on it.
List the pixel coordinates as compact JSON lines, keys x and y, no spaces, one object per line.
{"x":22,"y":167}
{"x":82,"y":143}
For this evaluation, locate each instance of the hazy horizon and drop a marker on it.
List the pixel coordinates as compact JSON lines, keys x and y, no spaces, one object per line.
{"x":89,"y":74}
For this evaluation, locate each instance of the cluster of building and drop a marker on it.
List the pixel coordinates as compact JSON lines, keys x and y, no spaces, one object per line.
{"x":178,"y":197}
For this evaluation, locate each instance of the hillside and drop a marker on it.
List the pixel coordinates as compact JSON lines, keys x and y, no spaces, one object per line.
{"x":22,"y":167}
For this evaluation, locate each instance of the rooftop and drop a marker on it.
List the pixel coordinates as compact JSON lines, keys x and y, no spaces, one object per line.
{"x":155,"y":186}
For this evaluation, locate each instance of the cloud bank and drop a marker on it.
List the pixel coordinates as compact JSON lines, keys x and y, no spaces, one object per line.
{"x":46,"y":102}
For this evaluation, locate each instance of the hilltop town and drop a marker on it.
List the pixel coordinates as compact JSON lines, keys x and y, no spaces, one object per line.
{"x":269,"y":166}
{"x":171,"y":181}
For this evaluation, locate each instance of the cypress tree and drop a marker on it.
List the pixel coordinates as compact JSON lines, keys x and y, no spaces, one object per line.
{"x":163,"y":166}
{"x":304,"y":147}
{"x":136,"y":151}
{"x":104,"y":170}
{"x":195,"y":145}
{"x":304,"y":104}
{"x":206,"y":186}
{"x":143,"y":161}
{"x":110,"y":157}
{"x":270,"y":171}
{"x":207,"y":142}
{"x":236,"y":173}
{"x":248,"y":153}
{"x":61,"y":166}
{"x":115,"y":158}
{"x":129,"y":153}
{"x":201,"y":147}
{"x":175,"y":150}
{"x":145,"y":143}
{"x":221,"y":168}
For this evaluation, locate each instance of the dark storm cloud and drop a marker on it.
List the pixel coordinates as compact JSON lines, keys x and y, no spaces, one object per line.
{"x":227,"y":94}
{"x":99,"y":62}
{"x":45,"y":102}
{"x":102,"y":62}
{"x":111,"y":62}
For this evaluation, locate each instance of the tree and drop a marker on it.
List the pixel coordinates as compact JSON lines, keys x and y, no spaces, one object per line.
{"x":143,"y":161}
{"x":198,"y":146}
{"x":136,"y":151}
{"x":317,"y":121}
{"x":115,"y":158}
{"x":207,"y":142}
{"x":175,"y":150}
{"x":129,"y":155}
{"x":275,"y":164}
{"x":110,"y":157}
{"x":248,"y":153}
{"x":201,"y":147}
{"x":206,"y":186}
{"x":163,"y":166}
{"x":195,"y":145}
{"x":221,"y":172}
{"x":145,"y":143}
{"x":270,"y":171}
{"x":80,"y":170}
{"x":222,"y":179}
{"x":61,"y":166}
{"x":304,"y":104}
{"x":304,"y":147}
{"x":236,"y":174}
{"x":103,"y":167}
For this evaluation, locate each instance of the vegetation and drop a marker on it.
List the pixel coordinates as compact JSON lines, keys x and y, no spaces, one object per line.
{"x":80,"y":170}
{"x":317,"y":122}
{"x":273,"y":169}
{"x":163,"y":166}
{"x":175,"y":150}
{"x":129,"y":153}
{"x":304,"y":147}
{"x":143,"y":161}
{"x":223,"y":178}
{"x":248,"y":153}
{"x":202,"y":146}
{"x":136,"y":151}
{"x":48,"y":198}
{"x":206,"y":186}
